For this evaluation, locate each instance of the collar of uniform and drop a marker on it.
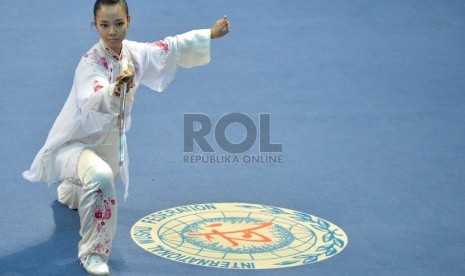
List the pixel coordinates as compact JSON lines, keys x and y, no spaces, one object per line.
{"x":109,"y":52}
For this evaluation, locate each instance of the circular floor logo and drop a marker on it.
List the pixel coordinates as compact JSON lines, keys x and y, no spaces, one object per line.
{"x":238,"y":236}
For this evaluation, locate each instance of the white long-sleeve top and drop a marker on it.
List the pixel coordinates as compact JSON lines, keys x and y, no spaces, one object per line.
{"x":89,"y":116}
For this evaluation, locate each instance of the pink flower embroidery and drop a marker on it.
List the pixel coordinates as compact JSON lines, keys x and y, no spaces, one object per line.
{"x":107,"y":213}
{"x":110,"y":52}
{"x":97,"y":86}
{"x":98,"y":213}
{"x":104,"y":62}
{"x":103,"y":212}
{"x":98,"y":247}
{"x":162,"y":44}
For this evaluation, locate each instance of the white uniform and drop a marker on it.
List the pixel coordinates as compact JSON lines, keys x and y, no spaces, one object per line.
{"x":81,"y":150}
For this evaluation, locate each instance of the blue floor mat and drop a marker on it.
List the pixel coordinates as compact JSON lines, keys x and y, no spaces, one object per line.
{"x":366,"y":98}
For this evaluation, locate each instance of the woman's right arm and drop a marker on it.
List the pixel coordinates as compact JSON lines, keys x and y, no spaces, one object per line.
{"x":95,"y":97}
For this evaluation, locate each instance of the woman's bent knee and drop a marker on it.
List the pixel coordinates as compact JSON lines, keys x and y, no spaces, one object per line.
{"x":101,"y":179}
{"x":94,"y":172}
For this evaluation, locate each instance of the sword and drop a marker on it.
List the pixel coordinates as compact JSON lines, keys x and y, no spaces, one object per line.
{"x":122,"y":119}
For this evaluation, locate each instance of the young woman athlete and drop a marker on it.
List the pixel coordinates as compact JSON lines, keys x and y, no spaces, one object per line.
{"x":82,"y":150}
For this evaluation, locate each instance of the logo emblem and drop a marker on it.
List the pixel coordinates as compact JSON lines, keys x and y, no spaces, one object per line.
{"x":238,"y":236}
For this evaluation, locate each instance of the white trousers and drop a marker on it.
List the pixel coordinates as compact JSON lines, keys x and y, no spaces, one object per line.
{"x":96,"y":203}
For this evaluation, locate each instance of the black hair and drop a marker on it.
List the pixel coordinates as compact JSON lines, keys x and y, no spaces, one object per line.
{"x":99,"y":3}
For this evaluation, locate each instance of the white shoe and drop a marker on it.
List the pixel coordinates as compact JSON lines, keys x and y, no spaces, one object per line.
{"x":95,"y":264}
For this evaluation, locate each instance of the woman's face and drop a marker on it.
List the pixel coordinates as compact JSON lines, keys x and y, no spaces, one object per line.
{"x":112,"y":23}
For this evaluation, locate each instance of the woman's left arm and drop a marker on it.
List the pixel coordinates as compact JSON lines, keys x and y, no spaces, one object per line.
{"x":157,"y":62}
{"x":194,"y":46}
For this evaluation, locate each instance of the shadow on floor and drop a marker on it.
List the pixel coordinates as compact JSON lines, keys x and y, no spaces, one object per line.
{"x":57,"y":256}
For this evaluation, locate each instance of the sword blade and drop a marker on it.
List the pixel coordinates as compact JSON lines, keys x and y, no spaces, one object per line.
{"x":122,"y":124}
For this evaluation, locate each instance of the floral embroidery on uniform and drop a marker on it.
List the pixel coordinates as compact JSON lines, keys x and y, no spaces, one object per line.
{"x":112,"y":53}
{"x":103,"y":61}
{"x":102,"y":213}
{"x":97,"y":86}
{"x":95,"y":59}
{"x":162,"y":44}
{"x":91,"y":54}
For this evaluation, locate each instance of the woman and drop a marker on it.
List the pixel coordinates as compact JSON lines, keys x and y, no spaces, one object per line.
{"x":81,"y":152}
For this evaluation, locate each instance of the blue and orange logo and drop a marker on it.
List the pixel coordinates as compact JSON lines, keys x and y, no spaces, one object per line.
{"x":238,"y":236}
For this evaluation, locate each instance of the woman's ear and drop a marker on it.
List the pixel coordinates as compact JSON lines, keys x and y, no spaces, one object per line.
{"x":129,"y":21}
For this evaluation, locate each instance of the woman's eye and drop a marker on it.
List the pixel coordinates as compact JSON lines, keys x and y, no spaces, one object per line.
{"x":104,"y":25}
{"x":120,"y":24}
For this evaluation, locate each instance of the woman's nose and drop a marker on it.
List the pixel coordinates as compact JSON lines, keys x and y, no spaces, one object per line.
{"x":111,"y":31}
